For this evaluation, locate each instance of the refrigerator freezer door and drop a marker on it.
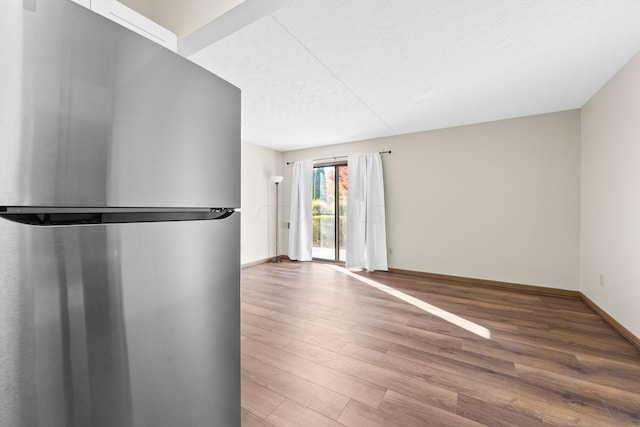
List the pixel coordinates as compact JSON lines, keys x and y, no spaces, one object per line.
{"x":120,"y":324}
{"x":96,"y":115}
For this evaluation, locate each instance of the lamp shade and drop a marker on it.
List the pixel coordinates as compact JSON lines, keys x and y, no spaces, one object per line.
{"x":277,"y":179}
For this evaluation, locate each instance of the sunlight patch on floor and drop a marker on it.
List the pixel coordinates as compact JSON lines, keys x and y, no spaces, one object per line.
{"x":432,"y":309}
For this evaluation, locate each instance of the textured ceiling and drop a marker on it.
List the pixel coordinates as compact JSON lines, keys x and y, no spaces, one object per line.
{"x":323,"y":72}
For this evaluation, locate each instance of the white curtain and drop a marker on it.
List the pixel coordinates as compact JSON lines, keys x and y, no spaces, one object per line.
{"x":366,"y":232}
{"x":300,"y":234}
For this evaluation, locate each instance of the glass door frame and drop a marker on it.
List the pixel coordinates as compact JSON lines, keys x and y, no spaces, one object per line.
{"x":336,"y":229}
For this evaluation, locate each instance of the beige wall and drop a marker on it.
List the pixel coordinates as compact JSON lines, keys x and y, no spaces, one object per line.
{"x":495,"y":201}
{"x":610,"y":197}
{"x":259,"y":164}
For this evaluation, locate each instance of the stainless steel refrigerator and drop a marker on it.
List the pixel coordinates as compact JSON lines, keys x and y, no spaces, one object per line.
{"x":119,"y":243}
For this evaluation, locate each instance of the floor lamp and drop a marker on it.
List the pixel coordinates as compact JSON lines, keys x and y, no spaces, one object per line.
{"x":277,"y":180}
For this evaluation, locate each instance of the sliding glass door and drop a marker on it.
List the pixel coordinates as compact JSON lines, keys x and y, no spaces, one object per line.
{"x":329,"y":211}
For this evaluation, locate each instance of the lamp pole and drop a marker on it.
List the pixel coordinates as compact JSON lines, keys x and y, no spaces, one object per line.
{"x":277,"y":180}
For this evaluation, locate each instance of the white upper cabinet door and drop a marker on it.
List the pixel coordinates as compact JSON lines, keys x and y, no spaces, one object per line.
{"x":132,"y":20}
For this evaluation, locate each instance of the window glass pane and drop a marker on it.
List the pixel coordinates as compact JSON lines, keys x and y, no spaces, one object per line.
{"x":323,"y":213}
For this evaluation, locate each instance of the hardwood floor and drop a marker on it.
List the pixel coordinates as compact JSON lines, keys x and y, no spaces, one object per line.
{"x":322,"y":348}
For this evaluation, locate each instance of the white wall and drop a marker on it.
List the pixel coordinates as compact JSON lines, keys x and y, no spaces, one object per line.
{"x":259,"y":164}
{"x":496,"y":201}
{"x":610,"y":197}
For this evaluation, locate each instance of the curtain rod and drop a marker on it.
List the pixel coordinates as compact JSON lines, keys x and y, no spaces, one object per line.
{"x":339,"y":157}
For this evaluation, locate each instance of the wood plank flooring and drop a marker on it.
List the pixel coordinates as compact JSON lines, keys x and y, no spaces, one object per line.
{"x":321,"y":348}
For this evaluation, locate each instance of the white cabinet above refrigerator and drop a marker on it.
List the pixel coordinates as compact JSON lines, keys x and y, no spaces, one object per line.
{"x":132,"y":20}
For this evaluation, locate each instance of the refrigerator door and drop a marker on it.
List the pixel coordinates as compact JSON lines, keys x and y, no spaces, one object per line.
{"x":120,"y":325}
{"x":94,"y":115}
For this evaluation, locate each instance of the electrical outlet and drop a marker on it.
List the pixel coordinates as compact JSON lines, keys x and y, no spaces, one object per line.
{"x":601,"y":279}
{"x":390,"y":251}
